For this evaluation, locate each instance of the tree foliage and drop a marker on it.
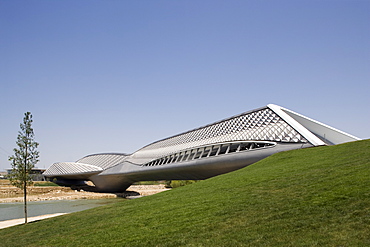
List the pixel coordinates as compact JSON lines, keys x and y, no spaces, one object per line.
{"x":25,"y":156}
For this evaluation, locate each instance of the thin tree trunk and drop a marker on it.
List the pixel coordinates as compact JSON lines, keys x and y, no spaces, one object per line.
{"x":25,"y":202}
{"x":25,"y":182}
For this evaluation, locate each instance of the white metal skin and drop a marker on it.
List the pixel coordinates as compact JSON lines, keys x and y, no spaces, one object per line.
{"x":244,"y":140}
{"x":314,"y":140}
{"x":123,"y":175}
{"x":328,"y":134}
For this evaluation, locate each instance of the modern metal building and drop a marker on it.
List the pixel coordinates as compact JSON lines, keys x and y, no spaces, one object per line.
{"x":201,"y":153}
{"x":36,"y":173}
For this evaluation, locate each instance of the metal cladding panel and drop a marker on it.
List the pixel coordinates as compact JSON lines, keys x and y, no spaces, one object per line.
{"x":118,"y":177}
{"x":68,"y":168}
{"x":326,"y":133}
{"x":283,"y":128}
{"x":261,"y":125}
{"x":104,"y":161}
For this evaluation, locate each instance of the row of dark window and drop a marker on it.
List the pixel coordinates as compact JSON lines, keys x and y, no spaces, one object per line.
{"x":208,"y":151}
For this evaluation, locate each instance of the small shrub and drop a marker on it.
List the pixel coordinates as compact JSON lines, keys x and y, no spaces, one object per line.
{"x":178,"y":183}
{"x":46,"y":183}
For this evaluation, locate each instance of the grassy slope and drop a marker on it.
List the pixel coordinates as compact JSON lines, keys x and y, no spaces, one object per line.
{"x":310,"y":197}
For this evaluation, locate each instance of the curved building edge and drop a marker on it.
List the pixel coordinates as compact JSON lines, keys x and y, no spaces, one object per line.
{"x":201,"y":153}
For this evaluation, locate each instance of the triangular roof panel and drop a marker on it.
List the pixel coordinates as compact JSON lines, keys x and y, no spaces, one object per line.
{"x":315,"y":132}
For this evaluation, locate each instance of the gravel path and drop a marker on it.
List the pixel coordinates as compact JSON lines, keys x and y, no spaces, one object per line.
{"x":9,"y":223}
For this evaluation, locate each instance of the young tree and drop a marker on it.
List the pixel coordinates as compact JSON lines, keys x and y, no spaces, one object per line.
{"x":24,"y":159}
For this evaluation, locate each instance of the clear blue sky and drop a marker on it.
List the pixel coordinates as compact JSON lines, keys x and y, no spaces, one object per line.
{"x":113,"y":76}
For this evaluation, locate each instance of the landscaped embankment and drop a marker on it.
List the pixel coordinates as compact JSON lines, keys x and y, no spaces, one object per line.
{"x":310,"y":197}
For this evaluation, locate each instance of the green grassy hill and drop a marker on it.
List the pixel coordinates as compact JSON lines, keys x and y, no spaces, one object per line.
{"x":310,"y":197}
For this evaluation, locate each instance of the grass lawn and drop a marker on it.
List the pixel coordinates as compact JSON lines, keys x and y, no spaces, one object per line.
{"x":309,"y":197}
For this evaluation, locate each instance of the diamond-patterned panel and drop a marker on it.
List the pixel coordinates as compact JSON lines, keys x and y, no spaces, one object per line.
{"x":254,"y":125}
{"x":103,"y":160}
{"x":65,"y":168}
{"x":260,"y":125}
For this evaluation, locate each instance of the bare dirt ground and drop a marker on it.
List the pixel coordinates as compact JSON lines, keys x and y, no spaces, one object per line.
{"x":10,"y":194}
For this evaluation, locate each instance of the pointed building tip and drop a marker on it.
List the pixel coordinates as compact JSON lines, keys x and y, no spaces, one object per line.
{"x":272,"y":106}
{"x":316,"y":132}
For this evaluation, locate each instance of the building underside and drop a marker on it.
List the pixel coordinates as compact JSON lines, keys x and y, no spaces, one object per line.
{"x":208,"y":151}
